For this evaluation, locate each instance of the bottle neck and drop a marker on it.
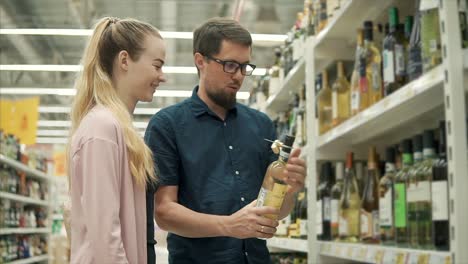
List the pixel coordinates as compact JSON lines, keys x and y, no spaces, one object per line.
{"x":283,"y":156}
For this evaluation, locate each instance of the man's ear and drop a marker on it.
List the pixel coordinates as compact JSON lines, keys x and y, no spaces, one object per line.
{"x":199,"y":60}
{"x":123,"y":60}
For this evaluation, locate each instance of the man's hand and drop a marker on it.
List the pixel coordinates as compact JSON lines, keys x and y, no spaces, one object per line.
{"x":295,"y":172}
{"x":249,"y":222}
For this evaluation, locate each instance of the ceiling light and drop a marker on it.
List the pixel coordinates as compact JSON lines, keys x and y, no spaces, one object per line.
{"x":87,"y":32}
{"x":51,"y":140}
{"x":76,"y":68}
{"x":64,"y":123}
{"x":66,"y":110}
{"x":51,"y":133}
{"x":71,"y":92}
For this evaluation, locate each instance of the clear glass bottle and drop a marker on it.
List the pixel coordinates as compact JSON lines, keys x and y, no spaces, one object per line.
{"x":274,"y":188}
{"x":355,"y":103}
{"x":386,"y":209}
{"x":371,"y":79}
{"x":340,"y":97}
{"x":324,"y":104}
{"x":423,"y":178}
{"x":370,"y":202}
{"x":336,"y":193}
{"x":394,"y":73}
{"x":401,"y":181}
{"x":350,"y":204}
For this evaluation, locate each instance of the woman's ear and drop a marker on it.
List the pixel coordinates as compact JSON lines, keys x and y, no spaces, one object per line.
{"x":123,"y":60}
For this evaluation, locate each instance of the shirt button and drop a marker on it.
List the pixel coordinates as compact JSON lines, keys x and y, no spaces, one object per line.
{"x":224,"y":123}
{"x":242,"y":199}
{"x":237,"y":172}
{"x":246,"y":253}
{"x":230,"y":147}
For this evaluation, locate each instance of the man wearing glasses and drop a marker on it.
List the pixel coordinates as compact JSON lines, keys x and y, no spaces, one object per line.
{"x":212,"y":157}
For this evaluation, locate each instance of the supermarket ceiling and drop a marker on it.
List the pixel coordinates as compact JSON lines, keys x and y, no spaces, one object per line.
{"x":258,"y":16}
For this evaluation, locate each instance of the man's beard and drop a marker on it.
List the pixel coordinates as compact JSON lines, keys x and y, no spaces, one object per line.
{"x":221,"y":98}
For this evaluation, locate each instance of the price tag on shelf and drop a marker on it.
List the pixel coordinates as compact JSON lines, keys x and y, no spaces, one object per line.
{"x":379,"y":256}
{"x":371,"y":255}
{"x":388,"y":257}
{"x":401,"y":258}
{"x":357,"y":253}
{"x":423,"y":259}
{"x":413,"y":258}
{"x":363,"y":253}
{"x":436,"y":259}
{"x":350,"y":252}
{"x":337,"y":250}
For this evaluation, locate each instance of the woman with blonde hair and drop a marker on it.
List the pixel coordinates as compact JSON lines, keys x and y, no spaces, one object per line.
{"x":109,"y":163}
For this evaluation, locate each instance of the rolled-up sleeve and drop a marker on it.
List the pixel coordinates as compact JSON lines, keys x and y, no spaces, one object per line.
{"x":99,"y":162}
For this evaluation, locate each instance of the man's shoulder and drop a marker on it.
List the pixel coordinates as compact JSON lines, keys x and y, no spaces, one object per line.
{"x":174,"y":111}
{"x":252,"y":113}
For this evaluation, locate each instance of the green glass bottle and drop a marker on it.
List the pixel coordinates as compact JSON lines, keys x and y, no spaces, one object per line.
{"x":401,"y":179}
{"x":413,"y":192}
{"x":386,"y":194}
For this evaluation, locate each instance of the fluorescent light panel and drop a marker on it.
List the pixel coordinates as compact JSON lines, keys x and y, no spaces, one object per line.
{"x":61,"y":133}
{"x":64,"y":123}
{"x":66,"y":110}
{"x":76,"y":68}
{"x":72,"y":92}
{"x":88,"y":32}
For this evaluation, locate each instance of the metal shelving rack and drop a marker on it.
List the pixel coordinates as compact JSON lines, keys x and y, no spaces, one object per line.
{"x":421,"y":104}
{"x":38,"y":175}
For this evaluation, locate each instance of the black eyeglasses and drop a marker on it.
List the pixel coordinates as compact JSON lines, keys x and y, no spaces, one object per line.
{"x":232,"y":66}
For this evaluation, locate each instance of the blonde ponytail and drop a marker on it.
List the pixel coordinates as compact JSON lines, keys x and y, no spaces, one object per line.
{"x":94,"y":86}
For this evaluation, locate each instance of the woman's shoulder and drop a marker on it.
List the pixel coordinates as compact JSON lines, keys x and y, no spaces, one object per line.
{"x":99,"y":123}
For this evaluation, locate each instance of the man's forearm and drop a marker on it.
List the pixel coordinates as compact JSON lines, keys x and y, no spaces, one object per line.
{"x":182,"y":221}
{"x":288,"y":205}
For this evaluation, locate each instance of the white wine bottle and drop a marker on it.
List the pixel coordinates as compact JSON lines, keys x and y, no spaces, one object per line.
{"x":274,"y":188}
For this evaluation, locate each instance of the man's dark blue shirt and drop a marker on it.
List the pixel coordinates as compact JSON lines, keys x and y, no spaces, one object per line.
{"x":218,"y":167}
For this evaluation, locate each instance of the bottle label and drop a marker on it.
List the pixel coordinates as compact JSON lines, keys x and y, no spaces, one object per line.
{"x":326,"y":209}
{"x":366,"y":224}
{"x":389,"y":69}
{"x":376,"y":81}
{"x":303,"y":227}
{"x":400,"y":69}
{"x":419,"y":192}
{"x":283,"y":154}
{"x":355,"y":100}
{"x":343,"y":226}
{"x":334,"y":105}
{"x":385,"y":208}
{"x":334,"y":212}
{"x":273,"y":198}
{"x":440,"y":201}
{"x":318,"y":218}
{"x":400,"y":205}
{"x":375,"y":224}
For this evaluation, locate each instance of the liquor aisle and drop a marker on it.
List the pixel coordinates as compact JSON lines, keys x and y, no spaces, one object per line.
{"x":384,"y":128}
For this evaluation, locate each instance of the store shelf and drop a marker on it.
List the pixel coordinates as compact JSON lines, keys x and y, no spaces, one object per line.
{"x":337,"y":41}
{"x":465,"y":58}
{"x":30,"y":260}
{"x":20,"y":166}
{"x":298,"y":245}
{"x":380,"y":254}
{"x":23,"y":199}
{"x":412,"y":101}
{"x":12,"y":231}
{"x":291,"y":83}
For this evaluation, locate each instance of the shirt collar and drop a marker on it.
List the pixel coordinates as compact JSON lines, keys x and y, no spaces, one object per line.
{"x":200,"y":108}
